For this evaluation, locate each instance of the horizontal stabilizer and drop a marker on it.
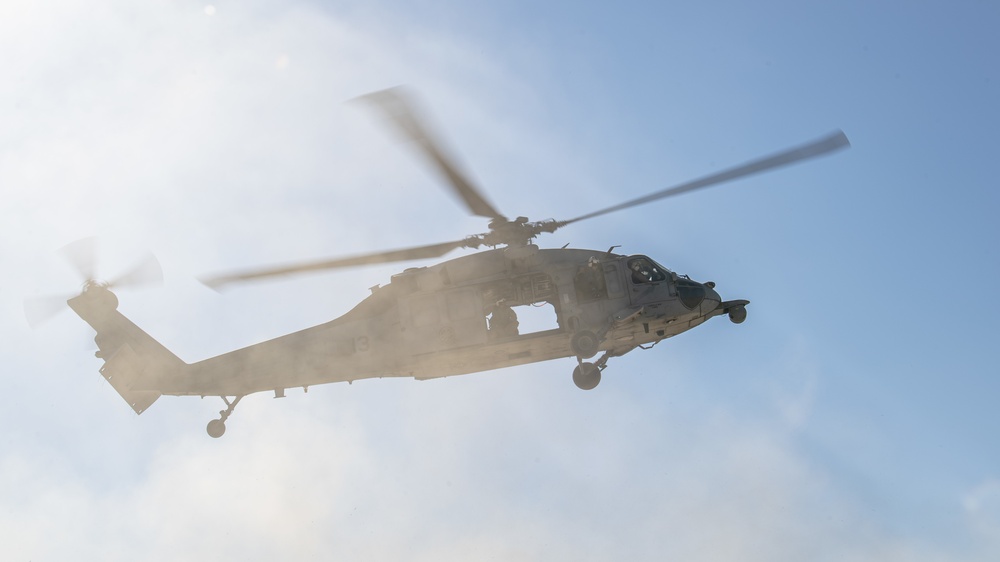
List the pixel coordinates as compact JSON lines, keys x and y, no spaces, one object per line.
{"x":124,"y":370}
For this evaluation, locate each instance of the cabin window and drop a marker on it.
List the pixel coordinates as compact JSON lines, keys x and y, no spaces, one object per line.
{"x":643,"y":270}
{"x":535,"y":318}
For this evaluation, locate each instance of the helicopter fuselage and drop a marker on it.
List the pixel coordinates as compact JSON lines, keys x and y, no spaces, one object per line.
{"x":453,"y":318}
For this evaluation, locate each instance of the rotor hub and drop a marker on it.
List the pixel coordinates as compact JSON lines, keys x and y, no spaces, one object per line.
{"x":92,"y":284}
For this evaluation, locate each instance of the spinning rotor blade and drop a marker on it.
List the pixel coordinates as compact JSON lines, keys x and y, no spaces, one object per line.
{"x":405,"y":254}
{"x":39,"y":310}
{"x":816,"y":148}
{"x":394,"y":104}
{"x":82,"y":255}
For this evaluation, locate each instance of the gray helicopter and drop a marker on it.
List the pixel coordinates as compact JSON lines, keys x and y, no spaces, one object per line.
{"x":457,"y":317}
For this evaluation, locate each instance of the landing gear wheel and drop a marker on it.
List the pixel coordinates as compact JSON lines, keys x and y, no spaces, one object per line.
{"x":584,"y":344}
{"x":216,"y":428}
{"x":737,"y":314}
{"x":586,"y":376}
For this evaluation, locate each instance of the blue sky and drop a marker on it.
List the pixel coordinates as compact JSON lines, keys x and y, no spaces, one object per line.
{"x":851,"y":417}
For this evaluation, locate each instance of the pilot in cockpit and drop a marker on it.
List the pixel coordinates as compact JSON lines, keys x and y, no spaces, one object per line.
{"x":640,"y":273}
{"x":645,"y":270}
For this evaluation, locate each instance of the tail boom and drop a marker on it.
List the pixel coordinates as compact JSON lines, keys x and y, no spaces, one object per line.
{"x":133,"y":360}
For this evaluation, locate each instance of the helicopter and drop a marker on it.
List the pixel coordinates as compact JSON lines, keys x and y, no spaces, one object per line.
{"x":452,"y":318}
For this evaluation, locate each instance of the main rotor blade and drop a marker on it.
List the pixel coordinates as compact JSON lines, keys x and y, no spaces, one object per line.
{"x":405,"y":254}
{"x":395,"y":105}
{"x":146,"y":273}
{"x":813,"y":149}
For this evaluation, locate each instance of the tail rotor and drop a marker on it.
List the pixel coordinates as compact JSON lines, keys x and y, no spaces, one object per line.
{"x":82,"y":257}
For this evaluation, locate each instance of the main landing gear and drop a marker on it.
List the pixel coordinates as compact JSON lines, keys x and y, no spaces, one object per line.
{"x":585,"y":344}
{"x":586,"y":376}
{"x":216,"y":428}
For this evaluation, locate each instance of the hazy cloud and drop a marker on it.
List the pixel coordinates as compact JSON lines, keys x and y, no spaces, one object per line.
{"x":220,"y":139}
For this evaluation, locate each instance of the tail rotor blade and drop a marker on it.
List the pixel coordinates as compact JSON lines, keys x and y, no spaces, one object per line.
{"x":39,"y":310}
{"x":82,"y":255}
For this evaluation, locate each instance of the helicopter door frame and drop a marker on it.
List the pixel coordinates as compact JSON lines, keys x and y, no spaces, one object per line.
{"x":614,"y":280}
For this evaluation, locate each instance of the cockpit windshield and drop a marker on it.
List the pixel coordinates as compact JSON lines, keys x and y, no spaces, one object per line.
{"x":645,"y":270}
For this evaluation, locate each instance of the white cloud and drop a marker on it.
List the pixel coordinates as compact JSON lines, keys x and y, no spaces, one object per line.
{"x":982,"y":507}
{"x":438,"y":483}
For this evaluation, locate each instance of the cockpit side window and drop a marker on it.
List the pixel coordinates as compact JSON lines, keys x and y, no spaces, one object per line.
{"x":643,"y":270}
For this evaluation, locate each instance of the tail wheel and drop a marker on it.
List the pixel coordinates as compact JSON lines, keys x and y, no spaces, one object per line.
{"x":586,"y":376}
{"x":216,"y":428}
